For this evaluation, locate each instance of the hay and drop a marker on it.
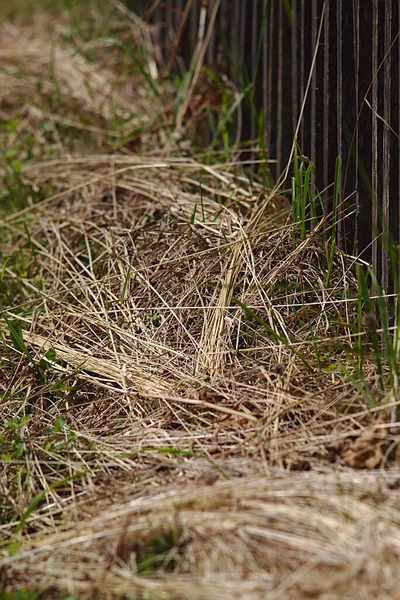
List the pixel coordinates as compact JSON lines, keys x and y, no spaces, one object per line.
{"x":177,"y":327}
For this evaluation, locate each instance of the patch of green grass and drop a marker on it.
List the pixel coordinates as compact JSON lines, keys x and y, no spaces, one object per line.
{"x":17,"y":193}
{"x":26,"y":594}
{"x":269,"y":331}
{"x":160,"y":551}
{"x":37,"y":499}
{"x":307,"y":208}
{"x":21,"y":594}
{"x":26,"y":8}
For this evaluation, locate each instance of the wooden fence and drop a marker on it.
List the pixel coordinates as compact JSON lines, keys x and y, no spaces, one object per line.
{"x":326,"y":69}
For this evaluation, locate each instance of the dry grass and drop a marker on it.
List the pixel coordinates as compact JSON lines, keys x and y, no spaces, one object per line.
{"x":183,"y":359}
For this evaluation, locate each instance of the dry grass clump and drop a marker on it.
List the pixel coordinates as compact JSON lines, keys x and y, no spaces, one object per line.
{"x":171,"y":355}
{"x":308,"y":534}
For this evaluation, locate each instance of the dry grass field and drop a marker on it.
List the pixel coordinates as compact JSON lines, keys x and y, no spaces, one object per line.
{"x":196,"y":402}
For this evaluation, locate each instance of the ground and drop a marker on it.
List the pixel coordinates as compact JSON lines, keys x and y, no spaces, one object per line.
{"x":198,"y":390}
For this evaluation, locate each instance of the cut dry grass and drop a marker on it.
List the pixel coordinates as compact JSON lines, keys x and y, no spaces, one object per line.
{"x":170,"y":358}
{"x":270,"y":535}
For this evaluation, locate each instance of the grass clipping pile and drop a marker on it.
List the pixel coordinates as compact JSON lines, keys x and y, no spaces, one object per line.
{"x":179,"y":367}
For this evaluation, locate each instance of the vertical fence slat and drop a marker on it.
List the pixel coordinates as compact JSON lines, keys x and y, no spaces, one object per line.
{"x":386,"y":147}
{"x":254,"y":37}
{"x":295,"y":66}
{"x":280,"y":76}
{"x":302,"y":81}
{"x":355,"y":135}
{"x":313,"y":91}
{"x":396,"y":126}
{"x":339,"y":96}
{"x":265,"y":85}
{"x":269,"y":113}
{"x":374,"y":140}
{"x":364,"y":131}
{"x":235,"y":42}
{"x":326,"y":137}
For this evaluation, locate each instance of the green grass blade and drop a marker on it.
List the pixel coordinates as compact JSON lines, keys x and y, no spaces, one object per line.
{"x":272,"y":332}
